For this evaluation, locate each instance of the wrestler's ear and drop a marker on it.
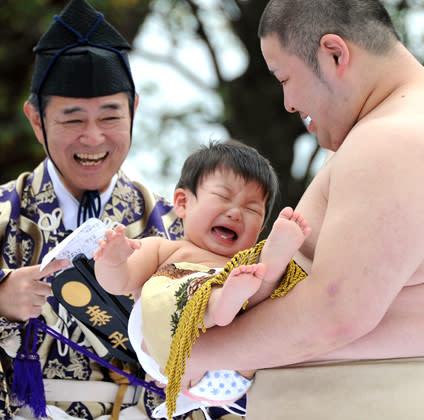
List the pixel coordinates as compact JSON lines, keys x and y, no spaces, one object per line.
{"x":34,"y":119}
{"x":334,"y":53}
{"x":180,"y":202}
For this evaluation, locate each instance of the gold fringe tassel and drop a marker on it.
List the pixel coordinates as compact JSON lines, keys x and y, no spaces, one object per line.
{"x":293,"y":275}
{"x":192,"y":317}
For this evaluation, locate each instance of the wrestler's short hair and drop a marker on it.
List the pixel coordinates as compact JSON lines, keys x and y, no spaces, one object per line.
{"x":300,"y":25}
{"x":232,"y":155}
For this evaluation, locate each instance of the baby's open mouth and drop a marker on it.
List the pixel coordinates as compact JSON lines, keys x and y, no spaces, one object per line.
{"x":225,"y":233}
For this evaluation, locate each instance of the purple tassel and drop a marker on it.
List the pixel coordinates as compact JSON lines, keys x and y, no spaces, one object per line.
{"x":28,"y":386}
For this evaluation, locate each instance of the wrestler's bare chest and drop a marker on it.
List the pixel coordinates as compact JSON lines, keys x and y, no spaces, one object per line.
{"x":313,"y":206}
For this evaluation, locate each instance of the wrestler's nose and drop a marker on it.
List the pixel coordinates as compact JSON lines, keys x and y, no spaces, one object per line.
{"x":288,"y":105}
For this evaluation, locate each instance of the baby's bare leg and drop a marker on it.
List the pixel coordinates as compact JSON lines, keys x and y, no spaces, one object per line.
{"x":257,"y":281}
{"x":287,"y":235}
{"x":225,"y":302}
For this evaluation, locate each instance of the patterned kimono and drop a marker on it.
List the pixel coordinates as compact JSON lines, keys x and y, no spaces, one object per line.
{"x":30,"y":202}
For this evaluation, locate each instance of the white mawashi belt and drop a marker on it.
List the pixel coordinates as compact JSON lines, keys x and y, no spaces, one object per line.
{"x":91,"y":391}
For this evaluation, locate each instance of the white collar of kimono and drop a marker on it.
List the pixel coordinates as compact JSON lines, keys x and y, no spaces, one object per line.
{"x":68,"y":203}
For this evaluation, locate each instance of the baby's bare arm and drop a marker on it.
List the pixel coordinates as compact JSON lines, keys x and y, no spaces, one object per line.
{"x":123,"y":265}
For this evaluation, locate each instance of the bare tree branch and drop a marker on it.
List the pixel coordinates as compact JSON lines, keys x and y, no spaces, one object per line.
{"x":204,"y":37}
{"x":237,"y":2}
{"x":175,"y":64}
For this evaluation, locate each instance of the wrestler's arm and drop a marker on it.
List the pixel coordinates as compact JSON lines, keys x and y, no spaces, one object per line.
{"x":369,"y":246}
{"x":399,"y":334}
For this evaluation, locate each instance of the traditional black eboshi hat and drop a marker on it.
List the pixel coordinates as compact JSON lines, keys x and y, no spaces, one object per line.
{"x":81,"y":55}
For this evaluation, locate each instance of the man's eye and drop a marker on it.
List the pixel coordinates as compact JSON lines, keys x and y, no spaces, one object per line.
{"x":72,"y":122}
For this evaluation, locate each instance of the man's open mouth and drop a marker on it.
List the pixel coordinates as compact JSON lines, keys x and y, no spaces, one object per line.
{"x":86,"y":159}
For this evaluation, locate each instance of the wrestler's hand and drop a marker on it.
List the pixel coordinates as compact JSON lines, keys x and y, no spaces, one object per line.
{"x":191,"y":376}
{"x":149,"y":378}
{"x":23,"y":293}
{"x":115,"y":248}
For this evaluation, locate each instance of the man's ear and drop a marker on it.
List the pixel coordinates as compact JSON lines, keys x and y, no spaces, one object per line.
{"x":335,"y":49}
{"x":180,"y":202}
{"x":34,"y":119}
{"x":136,"y":101}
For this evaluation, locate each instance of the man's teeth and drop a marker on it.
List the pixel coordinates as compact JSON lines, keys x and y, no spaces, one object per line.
{"x":307,"y":120}
{"x":90,"y":159}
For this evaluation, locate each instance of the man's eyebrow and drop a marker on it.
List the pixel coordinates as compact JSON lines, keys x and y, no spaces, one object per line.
{"x":112,"y":105}
{"x":68,"y":111}
{"x":73,"y":110}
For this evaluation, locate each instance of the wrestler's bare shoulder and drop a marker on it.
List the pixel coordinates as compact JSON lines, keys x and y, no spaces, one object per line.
{"x":383,"y":150}
{"x":381,"y":140}
{"x":396,"y":121}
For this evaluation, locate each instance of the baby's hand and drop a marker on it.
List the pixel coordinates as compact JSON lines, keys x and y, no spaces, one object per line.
{"x":115,"y":248}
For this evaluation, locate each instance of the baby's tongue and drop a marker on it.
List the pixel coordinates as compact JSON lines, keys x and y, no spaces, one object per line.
{"x":224,"y":232}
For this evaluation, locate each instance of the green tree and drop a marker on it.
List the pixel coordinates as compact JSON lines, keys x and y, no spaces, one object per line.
{"x":21,"y":24}
{"x":252,"y":102}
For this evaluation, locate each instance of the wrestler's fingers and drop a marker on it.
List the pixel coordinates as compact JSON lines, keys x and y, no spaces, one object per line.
{"x":152,"y":379}
{"x":191,"y":376}
{"x":185,"y":384}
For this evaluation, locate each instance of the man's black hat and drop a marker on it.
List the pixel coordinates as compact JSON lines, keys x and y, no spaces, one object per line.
{"x":81,"y":55}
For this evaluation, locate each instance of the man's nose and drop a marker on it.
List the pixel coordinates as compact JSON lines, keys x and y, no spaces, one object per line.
{"x":92,"y":135}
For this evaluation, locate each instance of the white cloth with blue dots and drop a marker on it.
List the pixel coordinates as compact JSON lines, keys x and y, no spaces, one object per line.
{"x":216,"y":388}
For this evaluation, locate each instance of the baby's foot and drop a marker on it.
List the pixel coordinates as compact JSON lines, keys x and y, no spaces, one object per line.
{"x":287,"y":235}
{"x":243,"y":282}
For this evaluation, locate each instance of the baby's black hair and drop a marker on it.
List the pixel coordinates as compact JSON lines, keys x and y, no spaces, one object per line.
{"x":232,"y":155}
